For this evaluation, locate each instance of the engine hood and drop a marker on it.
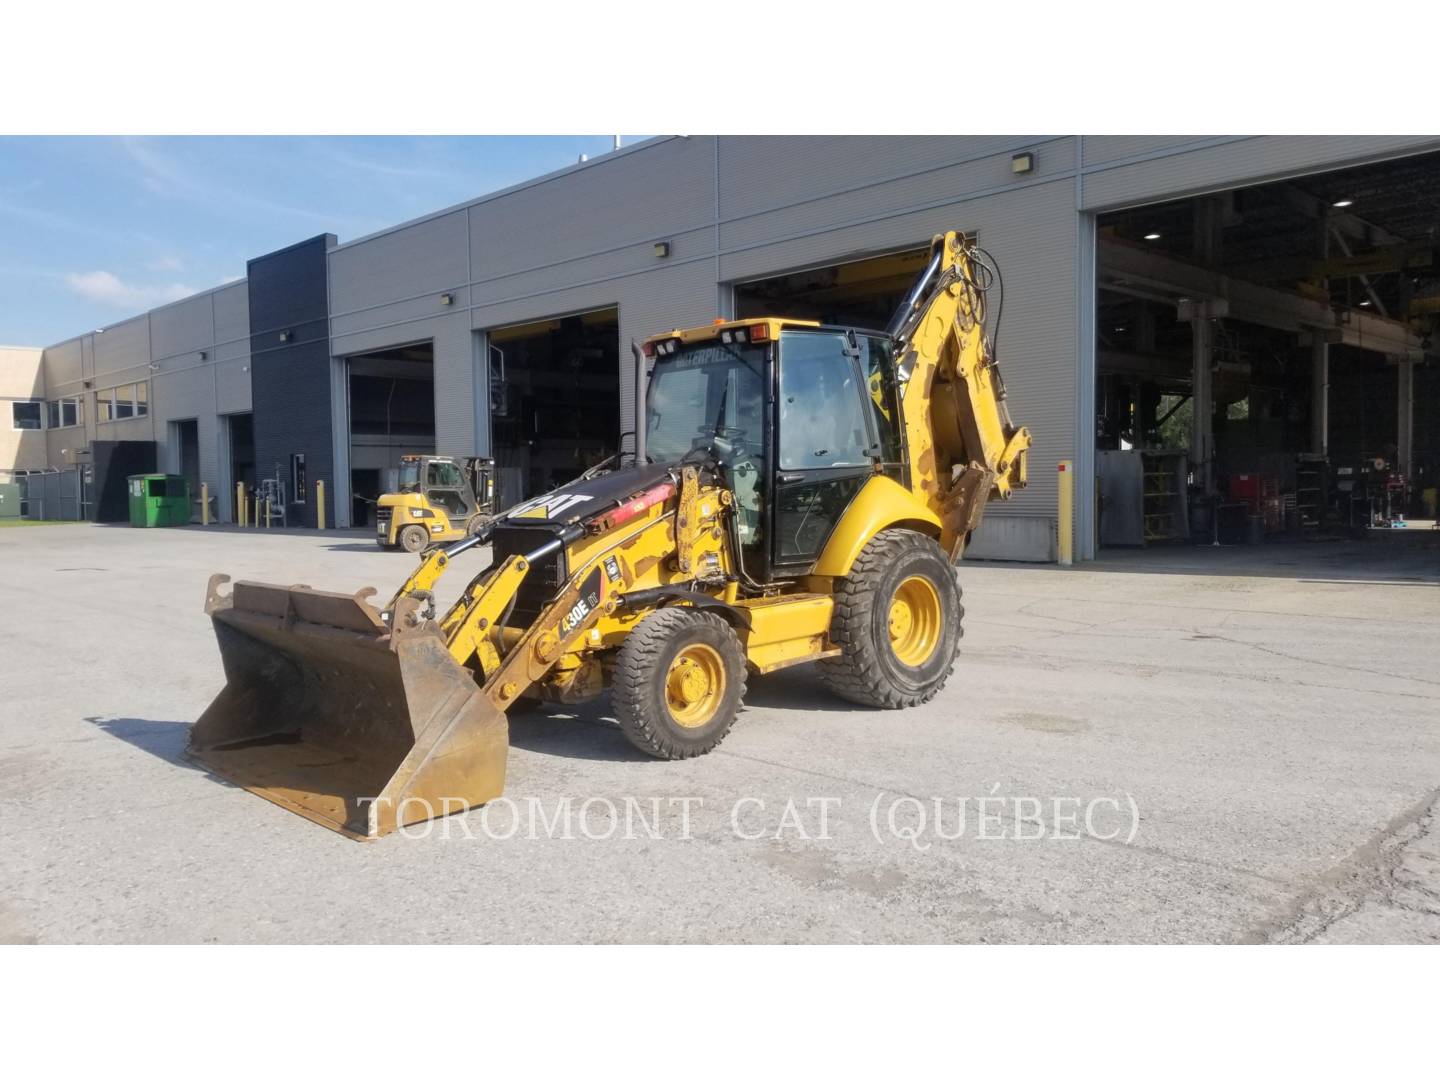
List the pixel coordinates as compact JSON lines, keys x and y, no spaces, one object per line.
{"x":582,"y":500}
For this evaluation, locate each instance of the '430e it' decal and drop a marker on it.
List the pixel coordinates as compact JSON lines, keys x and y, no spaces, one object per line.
{"x":587,"y":602}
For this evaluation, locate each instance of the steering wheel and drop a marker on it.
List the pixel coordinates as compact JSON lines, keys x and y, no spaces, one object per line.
{"x":726,"y":447}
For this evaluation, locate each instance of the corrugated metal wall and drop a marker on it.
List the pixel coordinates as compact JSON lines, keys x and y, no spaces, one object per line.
{"x":1156,"y":168}
{"x":162,"y":348}
{"x":189,"y":386}
{"x":730,"y":208}
{"x":738,"y":208}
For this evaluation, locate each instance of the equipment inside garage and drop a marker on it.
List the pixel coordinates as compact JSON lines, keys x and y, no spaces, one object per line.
{"x":392,"y":412}
{"x":554,"y":400}
{"x":862,"y":293}
{"x":1267,"y":360}
{"x":240,"y":434}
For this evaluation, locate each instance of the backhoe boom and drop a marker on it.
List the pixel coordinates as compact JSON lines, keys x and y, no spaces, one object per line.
{"x":962,"y":448}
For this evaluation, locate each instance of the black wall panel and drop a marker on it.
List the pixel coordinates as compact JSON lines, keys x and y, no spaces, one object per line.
{"x":290,"y":379}
{"x":112,"y":463}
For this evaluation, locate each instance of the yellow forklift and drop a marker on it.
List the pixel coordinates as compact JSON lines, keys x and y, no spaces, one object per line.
{"x":800,"y":493}
{"x":438,"y":500}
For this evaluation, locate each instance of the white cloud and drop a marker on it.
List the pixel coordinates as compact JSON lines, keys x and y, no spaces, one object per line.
{"x":412,"y":171}
{"x":167,"y":177}
{"x":105,"y":288}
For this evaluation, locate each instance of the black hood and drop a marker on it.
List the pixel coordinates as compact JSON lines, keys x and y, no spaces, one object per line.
{"x":581,"y":500}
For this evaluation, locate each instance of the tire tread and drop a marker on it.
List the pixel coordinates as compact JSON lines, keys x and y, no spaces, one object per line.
{"x":854,"y":675}
{"x":639,"y":661}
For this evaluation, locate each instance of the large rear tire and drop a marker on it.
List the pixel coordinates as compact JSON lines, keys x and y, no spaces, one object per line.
{"x":678,"y":682}
{"x":897,"y":619}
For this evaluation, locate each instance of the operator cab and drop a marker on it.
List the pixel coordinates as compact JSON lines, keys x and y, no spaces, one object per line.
{"x":794,"y":415}
{"x":461,"y":490}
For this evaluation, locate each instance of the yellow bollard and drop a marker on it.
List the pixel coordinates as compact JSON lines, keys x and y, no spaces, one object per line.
{"x":267,"y":513}
{"x":240,"y":503}
{"x":1066,"y":515}
{"x":204,"y":504}
{"x":256,"y":523}
{"x":320,"y":504}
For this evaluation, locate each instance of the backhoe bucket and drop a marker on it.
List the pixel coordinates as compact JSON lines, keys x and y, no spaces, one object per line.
{"x":332,"y":714}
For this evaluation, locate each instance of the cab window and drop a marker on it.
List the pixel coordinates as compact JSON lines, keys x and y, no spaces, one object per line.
{"x":877,"y":363}
{"x":443,"y":474}
{"x":822,"y":405}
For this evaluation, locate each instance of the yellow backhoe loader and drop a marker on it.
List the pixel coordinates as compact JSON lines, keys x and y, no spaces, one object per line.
{"x":437,"y":500}
{"x":800,"y":493}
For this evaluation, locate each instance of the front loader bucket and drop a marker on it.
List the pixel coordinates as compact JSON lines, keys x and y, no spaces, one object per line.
{"x":332,"y":714}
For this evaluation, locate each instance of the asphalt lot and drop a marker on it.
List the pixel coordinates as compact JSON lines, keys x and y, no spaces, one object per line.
{"x":1254,"y":735}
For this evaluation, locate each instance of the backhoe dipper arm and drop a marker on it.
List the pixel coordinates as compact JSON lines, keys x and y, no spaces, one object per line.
{"x":962,"y":448}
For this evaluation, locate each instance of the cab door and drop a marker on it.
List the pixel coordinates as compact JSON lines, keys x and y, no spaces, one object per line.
{"x":447,"y":489}
{"x":826,"y":444}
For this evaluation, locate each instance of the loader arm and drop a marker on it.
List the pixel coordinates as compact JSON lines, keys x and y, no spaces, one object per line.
{"x":511,"y":666}
{"x":961,"y":447}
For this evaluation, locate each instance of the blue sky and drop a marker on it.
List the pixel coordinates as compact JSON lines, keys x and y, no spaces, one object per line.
{"x":93,"y":230}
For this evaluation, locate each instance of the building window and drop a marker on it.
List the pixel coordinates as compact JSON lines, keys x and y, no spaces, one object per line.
{"x":122,"y":402}
{"x":27,"y":415}
{"x":66,"y":412}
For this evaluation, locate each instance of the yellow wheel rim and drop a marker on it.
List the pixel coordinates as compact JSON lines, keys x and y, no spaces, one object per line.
{"x":915,"y":620}
{"x":694,"y":685}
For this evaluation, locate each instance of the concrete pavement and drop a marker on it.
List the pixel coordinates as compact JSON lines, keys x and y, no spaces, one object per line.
{"x":1173,"y":745}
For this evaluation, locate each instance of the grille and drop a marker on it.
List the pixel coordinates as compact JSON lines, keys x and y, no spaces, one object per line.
{"x":546,"y":577}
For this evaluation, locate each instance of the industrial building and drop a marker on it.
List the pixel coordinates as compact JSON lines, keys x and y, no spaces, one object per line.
{"x":1225,"y":334}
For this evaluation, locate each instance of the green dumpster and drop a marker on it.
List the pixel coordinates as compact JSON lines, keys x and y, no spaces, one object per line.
{"x":159,"y":499}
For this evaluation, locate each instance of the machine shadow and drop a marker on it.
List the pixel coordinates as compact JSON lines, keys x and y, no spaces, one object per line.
{"x":586,"y":732}
{"x":794,"y":689}
{"x":590,"y":732}
{"x":164,"y":739}
{"x":1388,"y":557}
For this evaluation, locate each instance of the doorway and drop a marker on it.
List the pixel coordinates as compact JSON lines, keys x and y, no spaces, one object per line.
{"x":554,"y":400}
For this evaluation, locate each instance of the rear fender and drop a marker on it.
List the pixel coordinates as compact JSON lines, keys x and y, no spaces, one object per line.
{"x":881,"y":504}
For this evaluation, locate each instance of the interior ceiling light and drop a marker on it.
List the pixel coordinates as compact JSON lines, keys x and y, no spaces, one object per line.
{"x":1364,"y":303}
{"x":1152,"y":236}
{"x":1340,"y":204}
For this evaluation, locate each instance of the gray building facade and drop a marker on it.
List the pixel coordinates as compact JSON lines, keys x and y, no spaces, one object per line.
{"x":668,"y":233}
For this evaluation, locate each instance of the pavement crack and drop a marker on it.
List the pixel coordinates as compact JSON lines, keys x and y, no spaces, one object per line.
{"x":1323,"y":663}
{"x":1370,"y":874}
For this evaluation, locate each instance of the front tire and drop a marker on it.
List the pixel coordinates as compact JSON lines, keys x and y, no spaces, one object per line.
{"x":678,"y":682}
{"x":414,"y":538}
{"x":897,"y":619}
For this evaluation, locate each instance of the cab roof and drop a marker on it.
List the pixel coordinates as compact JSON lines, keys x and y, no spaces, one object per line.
{"x":713,"y":331}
